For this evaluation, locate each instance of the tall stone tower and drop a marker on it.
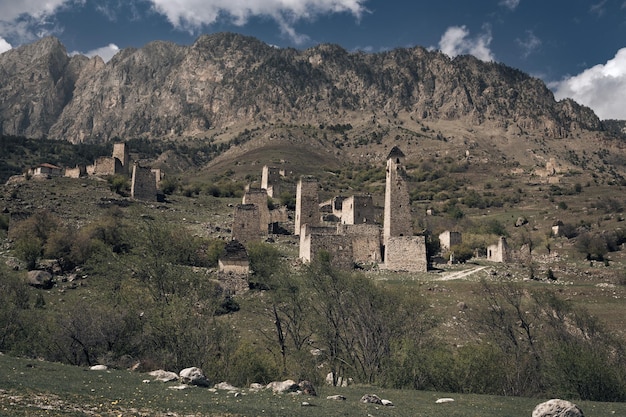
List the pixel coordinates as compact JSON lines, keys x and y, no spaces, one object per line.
{"x":270,"y":180}
{"x":307,"y":204}
{"x":397,"y":221}
{"x":258,"y":197}
{"x":120,"y":151}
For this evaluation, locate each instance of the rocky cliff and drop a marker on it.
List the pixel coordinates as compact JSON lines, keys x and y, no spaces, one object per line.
{"x":169,"y":90}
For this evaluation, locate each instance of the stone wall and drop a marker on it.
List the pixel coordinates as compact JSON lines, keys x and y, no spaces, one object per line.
{"x":78,"y":172}
{"x":314,"y":240}
{"x":307,"y":204}
{"x":406,"y":253}
{"x":143,"y":184}
{"x":366,"y":242}
{"x":107,"y":165}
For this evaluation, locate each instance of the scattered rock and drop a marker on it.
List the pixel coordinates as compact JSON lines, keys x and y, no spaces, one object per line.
{"x":179,"y":387}
{"x":40,"y":279}
{"x":256,"y":387}
{"x":98,"y":368}
{"x":306,"y":404}
{"x":336,"y":397}
{"x":371,"y":399}
{"x":307,"y":388}
{"x":386,"y":403}
{"x":225,"y":386}
{"x":163,"y":376}
{"x":521,"y":221}
{"x":341,"y":381}
{"x":557,"y":408}
{"x":280,"y":387}
{"x":194,"y":376}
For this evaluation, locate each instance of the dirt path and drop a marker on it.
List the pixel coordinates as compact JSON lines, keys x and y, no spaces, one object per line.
{"x":460,"y":274}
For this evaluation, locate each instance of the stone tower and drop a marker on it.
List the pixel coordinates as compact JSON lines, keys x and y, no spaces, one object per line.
{"x":307,"y":204}
{"x":143,"y":184}
{"x":246,"y":223}
{"x":120,"y":151}
{"x":270,"y":180}
{"x":397,"y":221}
{"x":258,"y":197}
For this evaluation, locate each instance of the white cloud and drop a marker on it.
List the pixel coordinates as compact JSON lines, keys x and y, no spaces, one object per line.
{"x":602,"y":87}
{"x":511,"y":4}
{"x":4,"y":45}
{"x":529,"y":44}
{"x":192,"y":15}
{"x":456,"y":41}
{"x":26,"y":20}
{"x":106,"y":52}
{"x":12,"y":10}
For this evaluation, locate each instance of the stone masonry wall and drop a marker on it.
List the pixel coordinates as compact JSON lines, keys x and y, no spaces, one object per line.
{"x":358,"y":209}
{"x":406,"y":253}
{"x":397,"y":219}
{"x":258,"y":197}
{"x":366,"y":242}
{"x":246,"y":224}
{"x":143,"y":184}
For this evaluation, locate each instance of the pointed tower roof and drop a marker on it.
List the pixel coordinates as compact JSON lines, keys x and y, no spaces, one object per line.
{"x":395,"y":153}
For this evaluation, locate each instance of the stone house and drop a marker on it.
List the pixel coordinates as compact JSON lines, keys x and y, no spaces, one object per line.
{"x":46,"y":170}
{"x":498,"y":252}
{"x":448,"y":239}
{"x":234,"y":259}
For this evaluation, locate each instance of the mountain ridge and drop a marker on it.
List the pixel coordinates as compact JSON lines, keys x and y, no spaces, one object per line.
{"x":164,"y":90}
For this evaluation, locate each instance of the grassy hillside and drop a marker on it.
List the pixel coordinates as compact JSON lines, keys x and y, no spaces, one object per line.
{"x":37,"y":388}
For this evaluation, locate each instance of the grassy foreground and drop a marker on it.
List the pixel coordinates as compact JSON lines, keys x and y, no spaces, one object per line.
{"x":36,"y":388}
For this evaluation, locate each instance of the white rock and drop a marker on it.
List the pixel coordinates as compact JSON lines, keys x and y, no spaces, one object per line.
{"x":194,"y":376}
{"x":163,"y":376}
{"x":386,"y":402}
{"x":225,"y":386}
{"x":557,"y":408}
{"x":444,"y":400}
{"x":283,"y":386}
{"x":99,"y":368}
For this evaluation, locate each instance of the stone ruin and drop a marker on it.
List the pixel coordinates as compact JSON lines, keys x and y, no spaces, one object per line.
{"x":234,"y":267}
{"x":344,"y":227}
{"x":144,"y":183}
{"x":271,"y":180}
{"x":499,"y":252}
{"x":117,"y":164}
{"x":448,"y":239}
{"x":356,"y":239}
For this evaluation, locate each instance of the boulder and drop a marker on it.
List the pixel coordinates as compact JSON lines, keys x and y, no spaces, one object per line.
{"x":386,"y":403}
{"x":444,"y":400}
{"x":557,"y":408}
{"x":371,"y":399}
{"x":256,"y":386}
{"x":307,"y":388}
{"x":39,"y":279}
{"x":193,"y":376}
{"x":163,"y":376}
{"x":99,"y":368}
{"x":521,"y":221}
{"x":225,"y":386}
{"x":336,"y":397}
{"x":280,"y":387}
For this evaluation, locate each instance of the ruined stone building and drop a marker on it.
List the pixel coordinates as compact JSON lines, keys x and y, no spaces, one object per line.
{"x":143,"y":184}
{"x":402,"y":250}
{"x":317,"y":239}
{"x":234,"y":267}
{"x":358,"y":209}
{"x":499,"y":252}
{"x":271,"y":179}
{"x":307,"y":204}
{"x":119,"y":163}
{"x":448,"y":239}
{"x":78,"y":172}
{"x":46,"y":170}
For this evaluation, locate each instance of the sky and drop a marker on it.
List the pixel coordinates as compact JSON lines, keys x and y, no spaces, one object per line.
{"x":577,"y":47}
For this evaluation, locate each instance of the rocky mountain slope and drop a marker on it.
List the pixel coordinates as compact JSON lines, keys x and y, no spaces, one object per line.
{"x":164,"y":90}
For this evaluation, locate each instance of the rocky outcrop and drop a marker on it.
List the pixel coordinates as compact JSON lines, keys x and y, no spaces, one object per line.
{"x":169,"y":90}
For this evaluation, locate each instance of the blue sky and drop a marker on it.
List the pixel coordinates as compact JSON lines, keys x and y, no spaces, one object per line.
{"x":578,"y":47}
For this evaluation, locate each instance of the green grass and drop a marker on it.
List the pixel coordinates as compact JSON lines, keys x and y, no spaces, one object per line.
{"x":36,"y":388}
